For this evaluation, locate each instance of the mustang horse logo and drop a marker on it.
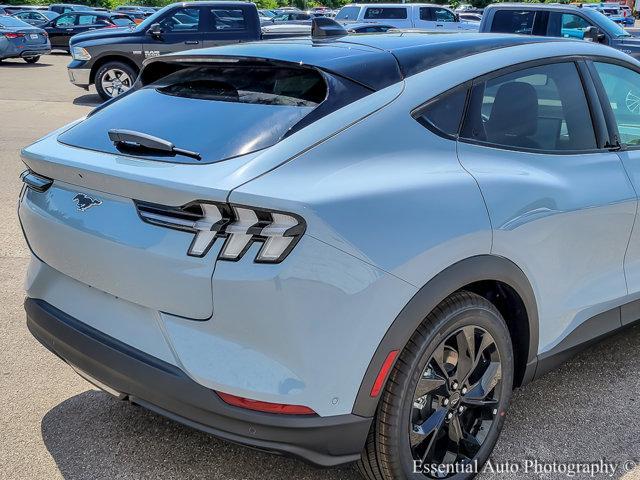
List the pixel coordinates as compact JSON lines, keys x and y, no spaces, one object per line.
{"x":84,"y":201}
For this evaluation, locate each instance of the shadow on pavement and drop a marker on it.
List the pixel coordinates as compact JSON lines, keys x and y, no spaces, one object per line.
{"x":584,"y":411}
{"x":88,"y":100}
{"x":93,"y":436}
{"x":19,"y":63}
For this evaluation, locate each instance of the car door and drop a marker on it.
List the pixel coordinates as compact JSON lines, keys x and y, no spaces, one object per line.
{"x":223,"y":25}
{"x":180,"y":29}
{"x":620,"y":86}
{"x":560,"y":203}
{"x":61,"y":29}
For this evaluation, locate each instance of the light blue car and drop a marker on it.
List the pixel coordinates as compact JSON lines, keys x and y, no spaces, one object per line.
{"x":342,"y":249}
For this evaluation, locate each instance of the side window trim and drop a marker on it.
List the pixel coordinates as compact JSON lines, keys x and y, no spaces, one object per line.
{"x":598,"y":114}
{"x":523,"y":66}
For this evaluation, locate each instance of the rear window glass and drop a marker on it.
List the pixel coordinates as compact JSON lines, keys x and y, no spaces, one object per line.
{"x":388,"y":13}
{"x":265,"y":86}
{"x":8,"y":22}
{"x":348,"y":13}
{"x":218,"y":111}
{"x":444,"y":113}
{"x":513,"y":21}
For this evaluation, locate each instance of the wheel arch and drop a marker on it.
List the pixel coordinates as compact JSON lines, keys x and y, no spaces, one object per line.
{"x":496,"y":278}
{"x":111,"y":57}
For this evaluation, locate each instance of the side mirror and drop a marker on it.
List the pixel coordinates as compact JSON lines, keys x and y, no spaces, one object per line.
{"x":592,"y":34}
{"x":155,"y":30}
{"x":456,"y":17}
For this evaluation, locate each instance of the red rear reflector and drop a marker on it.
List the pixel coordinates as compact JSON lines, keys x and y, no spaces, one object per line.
{"x":384,"y":372}
{"x":266,"y":407}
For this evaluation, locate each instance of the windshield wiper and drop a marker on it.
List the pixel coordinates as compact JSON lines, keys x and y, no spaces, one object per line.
{"x":138,"y":140}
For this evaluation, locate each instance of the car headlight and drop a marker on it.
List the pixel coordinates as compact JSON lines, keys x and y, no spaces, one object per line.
{"x":79,"y":53}
{"x":237,"y":226}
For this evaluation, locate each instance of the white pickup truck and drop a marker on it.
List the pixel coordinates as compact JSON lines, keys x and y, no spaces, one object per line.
{"x":411,"y":15}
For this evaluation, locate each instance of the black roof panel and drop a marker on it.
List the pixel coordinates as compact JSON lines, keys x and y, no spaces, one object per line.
{"x":374,"y":60}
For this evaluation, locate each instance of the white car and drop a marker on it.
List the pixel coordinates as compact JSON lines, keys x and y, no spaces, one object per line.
{"x":405,"y":16}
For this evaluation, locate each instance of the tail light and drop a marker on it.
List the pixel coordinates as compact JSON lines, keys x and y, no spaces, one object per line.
{"x":45,"y":34}
{"x":14,"y":35}
{"x":266,"y":407}
{"x":238,"y":226}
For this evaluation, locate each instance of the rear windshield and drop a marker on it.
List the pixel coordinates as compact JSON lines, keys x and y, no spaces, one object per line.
{"x":217,"y":111}
{"x":10,"y":22}
{"x":348,"y":13}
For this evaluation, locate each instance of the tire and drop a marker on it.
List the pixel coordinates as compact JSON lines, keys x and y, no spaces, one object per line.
{"x":120,"y":75}
{"x":398,"y":435}
{"x":31,"y":59}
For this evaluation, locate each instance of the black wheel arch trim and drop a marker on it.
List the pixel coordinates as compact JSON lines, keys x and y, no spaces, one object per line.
{"x":465,"y":272}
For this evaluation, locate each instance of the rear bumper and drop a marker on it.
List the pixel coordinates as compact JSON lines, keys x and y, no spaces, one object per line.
{"x":28,"y":51}
{"x":167,"y":390}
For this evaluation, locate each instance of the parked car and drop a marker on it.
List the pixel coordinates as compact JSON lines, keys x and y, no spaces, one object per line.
{"x":558,"y":20}
{"x":68,"y":24}
{"x":111,"y":59}
{"x":36,"y":18}
{"x":611,"y":10}
{"x":21,"y":40}
{"x":416,"y":15}
{"x":292,"y":16}
{"x":384,"y":320}
{"x":68,"y":7}
{"x":367,"y":27}
{"x":286,"y":30}
{"x":470,"y":17}
{"x":135,"y":8}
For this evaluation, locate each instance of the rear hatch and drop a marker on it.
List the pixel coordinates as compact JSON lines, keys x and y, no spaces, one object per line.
{"x":21,"y":33}
{"x":93,"y":222}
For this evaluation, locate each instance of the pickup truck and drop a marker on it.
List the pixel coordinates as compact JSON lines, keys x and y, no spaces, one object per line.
{"x":424,"y":16}
{"x":111,"y":58}
{"x":568,"y":21}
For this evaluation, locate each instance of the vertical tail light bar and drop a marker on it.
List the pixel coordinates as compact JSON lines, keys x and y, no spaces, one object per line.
{"x":238,"y":226}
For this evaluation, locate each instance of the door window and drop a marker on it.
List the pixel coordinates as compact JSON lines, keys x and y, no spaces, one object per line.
{"x":87,"y":19}
{"x":567,"y":25}
{"x":226,"y":19}
{"x":181,"y":20}
{"x":66,"y":21}
{"x":538,"y":108}
{"x":622,"y":86}
{"x":443,"y":15}
{"x":513,"y":21}
{"x":387,"y":13}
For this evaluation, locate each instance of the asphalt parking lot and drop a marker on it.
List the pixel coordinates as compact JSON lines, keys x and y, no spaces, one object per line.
{"x":53,"y":424}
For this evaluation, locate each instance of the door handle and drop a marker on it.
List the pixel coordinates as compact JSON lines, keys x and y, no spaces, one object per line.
{"x":69,"y":29}
{"x":191,"y":42}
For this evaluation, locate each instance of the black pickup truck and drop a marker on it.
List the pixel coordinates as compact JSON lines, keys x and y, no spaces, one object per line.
{"x":111,"y":58}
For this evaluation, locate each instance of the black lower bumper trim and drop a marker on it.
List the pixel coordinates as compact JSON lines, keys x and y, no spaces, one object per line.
{"x":164,"y":388}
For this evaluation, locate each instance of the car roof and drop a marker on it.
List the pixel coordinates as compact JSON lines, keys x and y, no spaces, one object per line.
{"x":385,"y":5}
{"x":533,"y":6}
{"x":374,"y":60}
